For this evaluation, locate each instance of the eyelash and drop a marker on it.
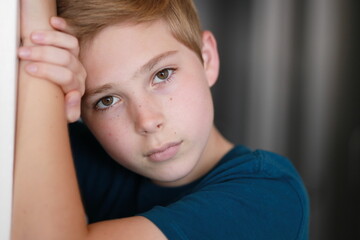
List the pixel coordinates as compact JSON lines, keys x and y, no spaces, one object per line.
{"x":114,"y":101}
{"x":170,"y":71}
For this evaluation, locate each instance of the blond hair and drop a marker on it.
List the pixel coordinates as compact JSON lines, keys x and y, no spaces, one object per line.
{"x":89,"y":17}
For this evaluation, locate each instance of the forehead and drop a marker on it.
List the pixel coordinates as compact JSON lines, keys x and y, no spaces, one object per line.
{"x":121,"y":48}
{"x":128,"y":39}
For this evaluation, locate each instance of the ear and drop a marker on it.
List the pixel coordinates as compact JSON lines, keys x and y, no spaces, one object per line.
{"x":210,"y":57}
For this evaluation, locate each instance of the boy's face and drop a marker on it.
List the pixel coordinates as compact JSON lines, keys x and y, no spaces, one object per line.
{"x":148,"y":101}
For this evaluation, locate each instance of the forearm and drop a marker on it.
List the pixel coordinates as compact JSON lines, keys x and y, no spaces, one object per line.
{"x":46,"y":197}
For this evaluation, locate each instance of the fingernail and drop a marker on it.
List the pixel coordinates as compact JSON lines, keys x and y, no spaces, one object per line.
{"x":73,"y":117}
{"x":57,"y":21}
{"x":74,"y":101}
{"x":24,"y":52}
{"x":37,"y":37}
{"x":31,"y":68}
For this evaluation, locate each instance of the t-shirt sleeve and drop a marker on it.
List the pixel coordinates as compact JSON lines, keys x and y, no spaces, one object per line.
{"x":259,"y":197}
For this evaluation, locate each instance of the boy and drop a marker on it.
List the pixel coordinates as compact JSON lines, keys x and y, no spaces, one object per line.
{"x":147,"y":102}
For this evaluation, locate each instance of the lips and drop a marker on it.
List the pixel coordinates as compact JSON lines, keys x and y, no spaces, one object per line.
{"x":164,"y":153}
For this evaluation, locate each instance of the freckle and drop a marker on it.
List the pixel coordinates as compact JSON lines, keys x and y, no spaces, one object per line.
{"x":170,"y":99}
{"x":139,"y":106}
{"x":175,"y":133}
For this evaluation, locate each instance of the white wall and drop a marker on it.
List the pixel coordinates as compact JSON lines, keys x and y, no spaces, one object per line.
{"x":8,"y":75}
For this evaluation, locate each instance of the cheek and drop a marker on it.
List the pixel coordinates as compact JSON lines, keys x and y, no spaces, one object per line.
{"x":112,"y":135}
{"x":194,"y":107}
{"x":106,"y":134}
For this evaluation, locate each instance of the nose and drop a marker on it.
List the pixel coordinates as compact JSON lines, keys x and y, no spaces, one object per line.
{"x":148,"y":117}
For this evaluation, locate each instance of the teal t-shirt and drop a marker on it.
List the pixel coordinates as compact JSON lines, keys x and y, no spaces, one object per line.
{"x":248,"y":195}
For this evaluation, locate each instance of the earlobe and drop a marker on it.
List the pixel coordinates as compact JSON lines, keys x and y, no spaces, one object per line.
{"x":210,"y":57}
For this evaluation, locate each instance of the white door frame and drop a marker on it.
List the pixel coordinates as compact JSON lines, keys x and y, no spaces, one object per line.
{"x":9,"y":41}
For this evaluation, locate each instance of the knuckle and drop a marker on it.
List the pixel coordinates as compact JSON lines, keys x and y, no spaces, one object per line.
{"x":83,"y":79}
{"x":68,"y":77}
{"x":67,"y":59}
{"x":84,"y":75}
{"x":74,"y":43}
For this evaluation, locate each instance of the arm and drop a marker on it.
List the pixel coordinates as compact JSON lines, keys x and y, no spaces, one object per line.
{"x":46,"y":197}
{"x":47,"y":203}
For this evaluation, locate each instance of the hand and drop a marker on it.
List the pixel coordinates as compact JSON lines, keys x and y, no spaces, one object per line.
{"x":35,"y":15}
{"x":54,"y":56}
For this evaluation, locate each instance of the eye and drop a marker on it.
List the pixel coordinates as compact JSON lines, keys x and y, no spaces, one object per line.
{"x":163,"y":75}
{"x":106,"y":102}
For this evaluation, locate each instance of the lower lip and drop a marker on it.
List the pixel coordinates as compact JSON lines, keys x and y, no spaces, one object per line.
{"x":165,"y":155}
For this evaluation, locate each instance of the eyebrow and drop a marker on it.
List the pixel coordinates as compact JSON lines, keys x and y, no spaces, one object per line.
{"x":148,"y":66}
{"x":153,"y":61}
{"x":98,"y":90}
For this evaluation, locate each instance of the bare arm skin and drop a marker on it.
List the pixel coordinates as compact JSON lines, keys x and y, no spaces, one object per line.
{"x":46,"y":198}
{"x":47,"y":203}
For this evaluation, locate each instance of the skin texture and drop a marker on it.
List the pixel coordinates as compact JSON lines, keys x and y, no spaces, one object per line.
{"x":42,"y":153}
{"x":145,"y":113}
{"x":54,"y":56}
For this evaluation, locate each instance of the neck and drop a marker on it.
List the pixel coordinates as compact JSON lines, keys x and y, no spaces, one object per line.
{"x":215,"y":149}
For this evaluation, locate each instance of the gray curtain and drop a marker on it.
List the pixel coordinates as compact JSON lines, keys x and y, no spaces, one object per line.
{"x":290,"y":83}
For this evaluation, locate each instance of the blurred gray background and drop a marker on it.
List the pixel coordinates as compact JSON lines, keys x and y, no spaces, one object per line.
{"x":290,"y":83}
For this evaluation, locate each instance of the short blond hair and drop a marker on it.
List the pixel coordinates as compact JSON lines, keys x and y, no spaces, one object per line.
{"x":89,"y":17}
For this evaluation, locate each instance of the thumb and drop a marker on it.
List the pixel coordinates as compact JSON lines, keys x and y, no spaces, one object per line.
{"x":73,"y":105}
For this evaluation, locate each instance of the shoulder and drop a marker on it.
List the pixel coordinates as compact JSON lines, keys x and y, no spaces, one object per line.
{"x":249,"y":195}
{"x":244,"y":161}
{"x":242,"y":164}
{"x":260,"y":176}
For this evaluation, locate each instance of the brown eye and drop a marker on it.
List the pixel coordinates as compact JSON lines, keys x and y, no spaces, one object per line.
{"x":164,"y":74}
{"x":106,"y":102}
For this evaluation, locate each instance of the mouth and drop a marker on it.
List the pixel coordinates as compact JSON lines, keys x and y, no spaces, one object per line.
{"x":165,"y":152}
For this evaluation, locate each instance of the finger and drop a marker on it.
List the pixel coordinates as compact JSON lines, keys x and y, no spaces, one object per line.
{"x":34,"y":15}
{"x":61,"y":24}
{"x":49,"y":54}
{"x":55,"y":56}
{"x":56,"y":74}
{"x":57,"y":39}
{"x":72,"y":105}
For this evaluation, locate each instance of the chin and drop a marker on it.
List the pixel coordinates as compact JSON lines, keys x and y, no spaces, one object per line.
{"x":175,"y":178}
